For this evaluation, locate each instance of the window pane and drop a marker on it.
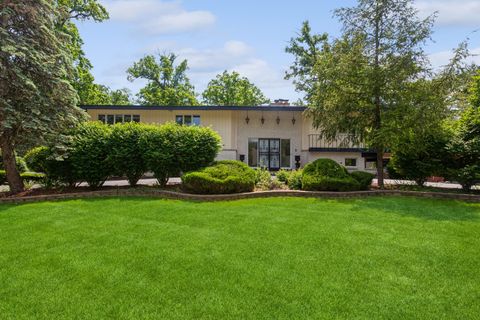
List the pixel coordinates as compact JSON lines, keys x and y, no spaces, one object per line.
{"x":253,"y":152}
{"x":136,"y":118}
{"x":110,"y":119}
{"x":285,"y":153}
{"x":179,"y":120}
{"x":196,"y":120}
{"x":127,"y":117}
{"x":101,"y":118}
{"x":187,"y":120}
{"x":118,"y":118}
{"x":350,"y":162}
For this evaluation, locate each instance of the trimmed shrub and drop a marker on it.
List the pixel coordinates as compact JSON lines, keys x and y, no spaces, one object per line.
{"x":223,"y":177}
{"x":327,"y":175}
{"x":33,"y":177}
{"x":294,"y":181}
{"x":283,"y":175}
{"x":89,"y":153}
{"x":125,"y":157}
{"x":58,"y":171}
{"x":170,"y":150}
{"x":363,"y":178}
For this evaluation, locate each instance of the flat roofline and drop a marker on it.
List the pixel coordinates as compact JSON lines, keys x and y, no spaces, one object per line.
{"x":193,"y":108}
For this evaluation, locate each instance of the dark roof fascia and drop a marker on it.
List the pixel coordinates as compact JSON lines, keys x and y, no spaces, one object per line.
{"x":337,"y":150}
{"x":194,"y":108}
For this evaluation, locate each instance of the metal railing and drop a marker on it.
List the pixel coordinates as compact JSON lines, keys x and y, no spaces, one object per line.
{"x":342,"y":142}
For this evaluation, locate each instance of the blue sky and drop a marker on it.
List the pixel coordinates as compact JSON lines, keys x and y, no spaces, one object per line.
{"x":247,"y":36}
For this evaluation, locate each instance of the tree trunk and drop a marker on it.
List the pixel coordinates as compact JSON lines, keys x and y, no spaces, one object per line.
{"x":10,"y":164}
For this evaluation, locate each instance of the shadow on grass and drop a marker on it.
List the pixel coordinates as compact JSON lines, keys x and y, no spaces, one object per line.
{"x":428,"y":209}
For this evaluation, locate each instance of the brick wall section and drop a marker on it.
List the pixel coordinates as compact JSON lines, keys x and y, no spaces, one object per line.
{"x":263,"y":194}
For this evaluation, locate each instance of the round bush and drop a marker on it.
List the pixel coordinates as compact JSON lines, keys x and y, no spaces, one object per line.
{"x":223,"y":177}
{"x":294,"y":180}
{"x":363,"y":178}
{"x":327,"y":175}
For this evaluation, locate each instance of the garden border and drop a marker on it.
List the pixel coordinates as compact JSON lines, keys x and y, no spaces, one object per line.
{"x":165,"y":194}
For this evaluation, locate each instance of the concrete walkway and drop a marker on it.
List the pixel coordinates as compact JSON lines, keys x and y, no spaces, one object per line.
{"x":173,"y":181}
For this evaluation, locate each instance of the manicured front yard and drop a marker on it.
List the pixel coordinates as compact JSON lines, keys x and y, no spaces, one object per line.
{"x":278,"y":258}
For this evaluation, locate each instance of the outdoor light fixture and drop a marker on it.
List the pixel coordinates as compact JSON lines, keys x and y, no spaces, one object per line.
{"x":242,"y":157}
{"x":247,"y":119}
{"x":262,"y":120}
{"x":293,"y":119}
{"x":278,"y":120}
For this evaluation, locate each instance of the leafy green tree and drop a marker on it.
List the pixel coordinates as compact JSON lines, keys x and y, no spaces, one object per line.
{"x":36,"y":97}
{"x":361,"y":83}
{"x":229,"y":89}
{"x":83,"y":81}
{"x":167,"y":83}
{"x":120,"y":97}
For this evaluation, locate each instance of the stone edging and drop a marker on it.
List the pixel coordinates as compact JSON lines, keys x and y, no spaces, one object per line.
{"x":225,"y":197}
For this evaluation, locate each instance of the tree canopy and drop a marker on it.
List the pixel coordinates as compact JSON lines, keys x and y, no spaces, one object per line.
{"x":230,"y":89}
{"x":167,"y":82}
{"x":366,"y":82}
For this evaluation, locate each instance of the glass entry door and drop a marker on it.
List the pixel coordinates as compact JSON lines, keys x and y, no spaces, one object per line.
{"x":269,"y":153}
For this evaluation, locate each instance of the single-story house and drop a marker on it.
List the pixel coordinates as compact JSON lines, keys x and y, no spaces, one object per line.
{"x":274,"y":137}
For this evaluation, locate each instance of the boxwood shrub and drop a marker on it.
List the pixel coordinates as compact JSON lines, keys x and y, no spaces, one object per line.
{"x":223,"y":177}
{"x":363,"y":178}
{"x":327,"y":175}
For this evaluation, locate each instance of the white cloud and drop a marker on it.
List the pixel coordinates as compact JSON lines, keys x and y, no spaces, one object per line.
{"x":159,"y":17}
{"x":452,"y":13}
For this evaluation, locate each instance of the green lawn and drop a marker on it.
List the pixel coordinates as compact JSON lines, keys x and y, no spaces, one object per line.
{"x":278,"y":258}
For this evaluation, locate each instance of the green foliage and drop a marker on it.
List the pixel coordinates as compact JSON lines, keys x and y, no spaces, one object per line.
{"x":419,"y":156}
{"x":171,"y":149}
{"x":327,"y":175}
{"x":283,"y":175}
{"x":263,"y":179}
{"x":463,"y":150}
{"x":223,"y":177}
{"x":33,"y":177}
{"x":57,"y":170}
{"x":474,"y":91}
{"x":125,"y":156}
{"x":295,"y":180}
{"x":361,"y":83}
{"x":167,"y":84}
{"x":364,"y":179}
{"x":36,"y":100}
{"x":229,"y":89}
{"x":89,"y":153}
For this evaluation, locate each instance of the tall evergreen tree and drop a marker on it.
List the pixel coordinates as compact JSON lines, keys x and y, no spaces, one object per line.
{"x":36,"y":96}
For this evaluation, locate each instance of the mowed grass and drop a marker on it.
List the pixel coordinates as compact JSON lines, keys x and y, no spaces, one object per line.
{"x":278,"y":258}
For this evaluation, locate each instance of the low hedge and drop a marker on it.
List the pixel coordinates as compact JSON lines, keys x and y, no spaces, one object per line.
{"x":327,"y":175}
{"x":364,"y":178}
{"x":222,"y":177}
{"x":33,"y":177}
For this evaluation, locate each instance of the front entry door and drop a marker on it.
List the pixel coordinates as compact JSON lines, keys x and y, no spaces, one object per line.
{"x":269,"y":153}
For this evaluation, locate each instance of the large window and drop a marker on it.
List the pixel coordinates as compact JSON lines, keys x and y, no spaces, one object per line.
{"x":187,"y":120}
{"x":118,"y":118}
{"x":269,"y":153}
